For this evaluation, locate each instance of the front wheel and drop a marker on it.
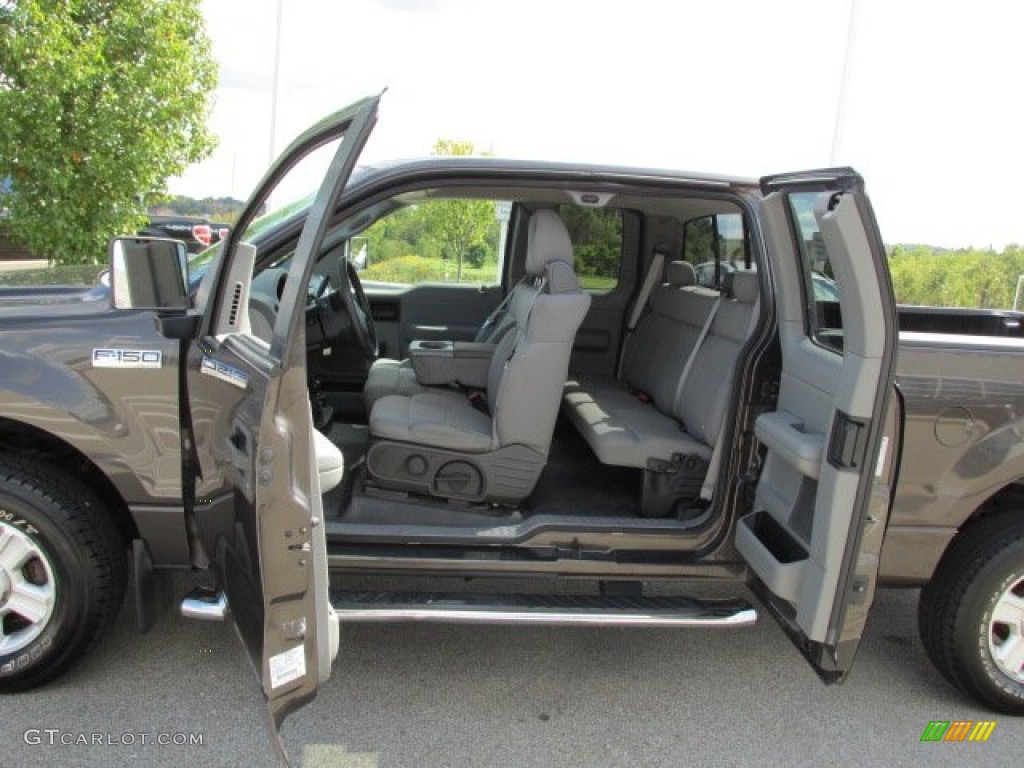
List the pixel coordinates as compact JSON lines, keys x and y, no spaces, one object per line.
{"x":971,"y":614}
{"x":62,"y":572}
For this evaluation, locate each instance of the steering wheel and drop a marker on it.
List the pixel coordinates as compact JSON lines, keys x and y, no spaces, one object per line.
{"x":358,"y":308}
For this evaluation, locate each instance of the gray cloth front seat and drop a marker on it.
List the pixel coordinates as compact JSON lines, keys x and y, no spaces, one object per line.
{"x":397,"y":377}
{"x":438,"y":443}
{"x":330,"y":462}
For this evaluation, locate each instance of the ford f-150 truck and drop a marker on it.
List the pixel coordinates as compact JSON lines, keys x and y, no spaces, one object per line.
{"x":784,"y":429}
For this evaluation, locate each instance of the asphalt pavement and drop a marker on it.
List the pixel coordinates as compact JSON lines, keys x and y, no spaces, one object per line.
{"x":432,"y":695}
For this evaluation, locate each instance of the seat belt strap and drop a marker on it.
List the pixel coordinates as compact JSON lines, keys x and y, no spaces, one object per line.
{"x":492,"y":319}
{"x":520,"y":332}
{"x":707,"y":490}
{"x":696,"y":348}
{"x":654,"y":272}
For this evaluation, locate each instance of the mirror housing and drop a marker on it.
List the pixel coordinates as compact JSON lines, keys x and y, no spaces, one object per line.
{"x":149,"y":273}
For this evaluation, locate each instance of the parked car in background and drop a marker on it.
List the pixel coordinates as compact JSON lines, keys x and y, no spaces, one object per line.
{"x":197,"y":234}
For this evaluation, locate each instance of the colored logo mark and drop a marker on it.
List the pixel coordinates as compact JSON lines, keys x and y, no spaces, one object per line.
{"x":958,"y":730}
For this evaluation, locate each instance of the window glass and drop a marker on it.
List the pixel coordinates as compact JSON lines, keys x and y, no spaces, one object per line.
{"x":699,"y":241}
{"x":712,"y":241}
{"x":436,"y":241}
{"x":596,"y":235}
{"x":821,"y":294}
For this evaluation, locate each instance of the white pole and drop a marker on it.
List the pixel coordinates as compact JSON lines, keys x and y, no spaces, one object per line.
{"x":274,"y":81}
{"x":844,"y":84}
{"x":1016,"y":294}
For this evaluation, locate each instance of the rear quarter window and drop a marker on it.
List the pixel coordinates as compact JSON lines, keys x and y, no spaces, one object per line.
{"x":596,"y":235}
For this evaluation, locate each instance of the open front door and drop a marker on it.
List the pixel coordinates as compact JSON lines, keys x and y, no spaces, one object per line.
{"x":813,"y":538}
{"x":257,"y":509}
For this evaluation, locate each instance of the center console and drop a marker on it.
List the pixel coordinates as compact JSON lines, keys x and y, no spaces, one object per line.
{"x":439,"y":363}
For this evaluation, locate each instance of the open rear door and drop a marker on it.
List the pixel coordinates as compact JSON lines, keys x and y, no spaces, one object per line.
{"x":256,"y":506}
{"x":813,"y":538}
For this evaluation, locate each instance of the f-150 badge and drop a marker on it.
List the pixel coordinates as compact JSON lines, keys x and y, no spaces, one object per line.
{"x":127,"y":358}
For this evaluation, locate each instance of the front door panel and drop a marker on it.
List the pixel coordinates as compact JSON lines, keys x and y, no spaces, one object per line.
{"x":257,"y":506}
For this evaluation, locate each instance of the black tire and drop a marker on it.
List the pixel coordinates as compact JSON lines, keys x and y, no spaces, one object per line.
{"x":85,"y":555}
{"x":956,"y":607}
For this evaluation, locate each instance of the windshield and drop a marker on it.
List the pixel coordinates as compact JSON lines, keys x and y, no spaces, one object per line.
{"x":293,"y":193}
{"x":200,"y":262}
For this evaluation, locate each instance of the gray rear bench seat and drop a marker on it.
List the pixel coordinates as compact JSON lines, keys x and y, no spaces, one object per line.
{"x":663,"y":407}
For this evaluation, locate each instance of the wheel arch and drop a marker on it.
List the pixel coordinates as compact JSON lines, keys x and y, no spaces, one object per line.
{"x":1007,"y":500}
{"x":29,"y":439}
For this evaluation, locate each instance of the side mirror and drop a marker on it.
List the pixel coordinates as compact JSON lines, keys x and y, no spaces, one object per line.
{"x":149,"y":273}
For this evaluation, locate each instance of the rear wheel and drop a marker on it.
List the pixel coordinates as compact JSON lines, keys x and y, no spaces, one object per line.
{"x":62,"y":572}
{"x":971,"y":614}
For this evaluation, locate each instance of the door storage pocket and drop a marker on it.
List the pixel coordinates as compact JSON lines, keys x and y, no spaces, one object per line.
{"x":775,"y":555}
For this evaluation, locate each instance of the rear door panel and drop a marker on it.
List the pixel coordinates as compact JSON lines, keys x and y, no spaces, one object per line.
{"x":817,"y":494}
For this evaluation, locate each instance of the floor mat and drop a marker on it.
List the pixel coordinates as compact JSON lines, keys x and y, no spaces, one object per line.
{"x":574,"y":482}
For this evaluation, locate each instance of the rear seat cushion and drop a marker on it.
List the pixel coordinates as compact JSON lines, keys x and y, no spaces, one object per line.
{"x":705,"y":397}
{"x":680,"y":274}
{"x":624,"y":431}
{"x":655,"y":355}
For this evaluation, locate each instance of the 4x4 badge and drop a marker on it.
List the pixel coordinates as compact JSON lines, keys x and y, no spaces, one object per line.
{"x":224,"y":372}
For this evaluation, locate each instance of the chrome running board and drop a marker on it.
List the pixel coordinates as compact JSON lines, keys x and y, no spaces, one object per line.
{"x":555,"y":610}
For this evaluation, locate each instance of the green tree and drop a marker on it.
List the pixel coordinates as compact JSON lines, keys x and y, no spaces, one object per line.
{"x":460,"y":224}
{"x":967,"y":277}
{"x":100,"y":102}
{"x":596,"y":235}
{"x":700,"y":241}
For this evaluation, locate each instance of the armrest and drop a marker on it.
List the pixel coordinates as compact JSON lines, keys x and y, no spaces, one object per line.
{"x":784,"y":433}
{"x":438,"y":363}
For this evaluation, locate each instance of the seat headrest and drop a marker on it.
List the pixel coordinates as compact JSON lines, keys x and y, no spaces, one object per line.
{"x":680,"y":273}
{"x":547,"y":241}
{"x":745,"y":287}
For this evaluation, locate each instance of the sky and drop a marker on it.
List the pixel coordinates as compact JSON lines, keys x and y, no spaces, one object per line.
{"x":932,"y":115}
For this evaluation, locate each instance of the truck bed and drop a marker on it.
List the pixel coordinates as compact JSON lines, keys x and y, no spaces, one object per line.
{"x":960,"y":381}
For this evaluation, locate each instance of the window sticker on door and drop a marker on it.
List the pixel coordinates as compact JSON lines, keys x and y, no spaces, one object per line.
{"x":224,"y":372}
{"x":287,"y":666}
{"x":883,"y":452}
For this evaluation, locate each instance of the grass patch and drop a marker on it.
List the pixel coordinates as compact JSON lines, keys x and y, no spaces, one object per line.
{"x":409,"y":270}
{"x":69,"y":274}
{"x":417,"y":269}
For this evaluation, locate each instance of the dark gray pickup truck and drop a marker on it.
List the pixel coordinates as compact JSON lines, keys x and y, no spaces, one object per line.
{"x":784,"y":429}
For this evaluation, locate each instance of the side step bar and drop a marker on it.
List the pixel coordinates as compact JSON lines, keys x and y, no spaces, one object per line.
{"x":556,"y":610}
